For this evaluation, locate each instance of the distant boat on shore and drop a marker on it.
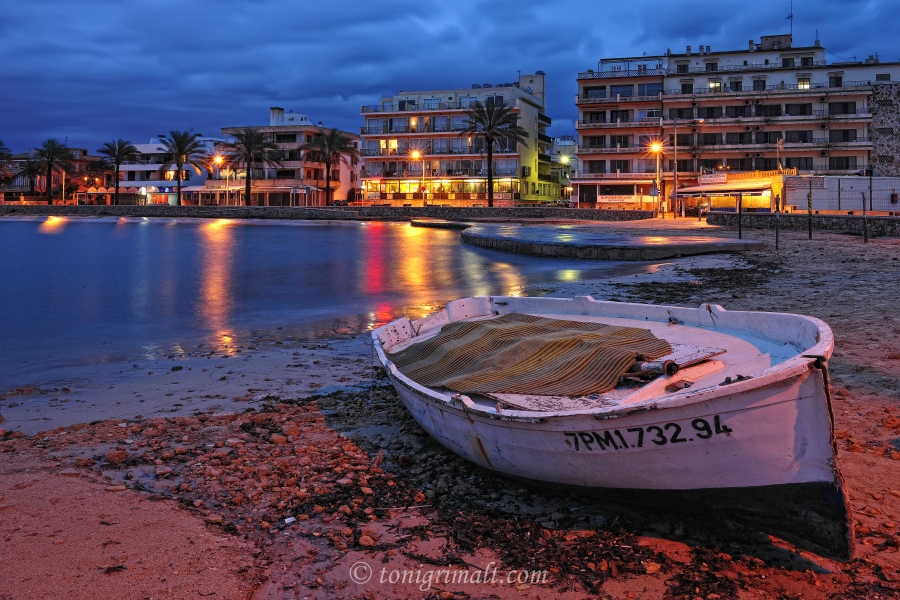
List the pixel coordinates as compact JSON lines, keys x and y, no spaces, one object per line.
{"x":701,"y":410}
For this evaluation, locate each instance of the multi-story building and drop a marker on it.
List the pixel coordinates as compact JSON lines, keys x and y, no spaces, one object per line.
{"x":748,"y":115}
{"x":144,"y":181}
{"x":414,"y":153}
{"x":295,"y":182}
{"x":562,"y":153}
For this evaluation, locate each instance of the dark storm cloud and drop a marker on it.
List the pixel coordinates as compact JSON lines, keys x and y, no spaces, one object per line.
{"x":95,"y":70}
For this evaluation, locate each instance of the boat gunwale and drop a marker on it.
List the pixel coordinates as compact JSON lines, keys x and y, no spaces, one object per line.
{"x":804,"y":361}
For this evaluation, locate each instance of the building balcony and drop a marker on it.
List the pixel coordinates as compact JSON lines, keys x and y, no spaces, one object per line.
{"x":437,"y":173}
{"x":544,"y":158}
{"x":778,"y":89}
{"x":590,"y":74}
{"x":610,"y":150}
{"x":581,"y":99}
{"x":585,"y":175}
{"x":405,"y":152}
{"x":429,"y":107}
{"x":633,"y":123}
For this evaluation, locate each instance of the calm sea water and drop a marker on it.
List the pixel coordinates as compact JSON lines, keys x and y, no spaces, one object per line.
{"x":80,"y":290}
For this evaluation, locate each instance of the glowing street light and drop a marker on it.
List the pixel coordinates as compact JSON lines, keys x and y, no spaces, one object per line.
{"x":219,"y":160}
{"x":656,"y":148}
{"x":416,"y":155}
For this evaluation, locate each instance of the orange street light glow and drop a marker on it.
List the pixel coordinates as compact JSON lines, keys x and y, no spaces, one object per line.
{"x":656,"y":146}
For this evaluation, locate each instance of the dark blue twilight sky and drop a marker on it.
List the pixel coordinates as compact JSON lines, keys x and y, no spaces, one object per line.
{"x":89,"y":71}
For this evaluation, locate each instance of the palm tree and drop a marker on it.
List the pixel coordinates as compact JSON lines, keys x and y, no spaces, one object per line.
{"x":328,"y":147}
{"x":32,"y":169}
{"x":491,"y":122}
{"x":251,"y":147}
{"x":183,"y":149}
{"x":54,"y":156}
{"x":118,"y":152}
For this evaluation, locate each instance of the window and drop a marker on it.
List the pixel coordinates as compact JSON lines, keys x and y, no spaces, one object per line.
{"x":766,"y":164}
{"x":715,"y":87}
{"x":681,"y":68}
{"x":687,"y":88}
{"x":768,"y":137}
{"x":595,"y":166}
{"x":432,"y":103}
{"x":621,"y":90}
{"x":595,"y":92}
{"x":619,"y":166}
{"x":842,"y":163}
{"x":467,"y":101}
{"x":620,"y":141}
{"x":743,"y":137}
{"x":681,"y":113}
{"x":650,"y":113}
{"x":882,"y":76}
{"x":620,"y":115}
{"x":686,"y":166}
{"x":595,"y":141}
{"x":712,"y":66}
{"x":803,"y":83}
{"x":710,"y":164}
{"x":768,"y":110}
{"x":709,"y":112}
{"x":835,"y":81}
{"x":710,"y":139}
{"x":642,"y":69}
{"x":285,"y":138}
{"x":739,"y":164}
{"x":759,"y":85}
{"x":842,"y":108}
{"x":796,"y":110}
{"x":787,"y":63}
{"x":595,"y":117}
{"x":799,"y":162}
{"x":798,"y":137}
{"x":734,"y":112}
{"x":284,"y":174}
{"x":685,"y":139}
{"x":649,"y":89}
{"x":806,"y":61}
{"x":885,"y":158}
{"x":735,"y":86}
{"x":842,"y":135}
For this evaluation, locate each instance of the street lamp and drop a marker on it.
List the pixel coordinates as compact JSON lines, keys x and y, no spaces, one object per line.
{"x":219,"y":160}
{"x":656,"y":148}
{"x":416,"y":155}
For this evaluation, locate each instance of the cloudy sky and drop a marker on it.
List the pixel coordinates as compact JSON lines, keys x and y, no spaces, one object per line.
{"x":89,"y":71}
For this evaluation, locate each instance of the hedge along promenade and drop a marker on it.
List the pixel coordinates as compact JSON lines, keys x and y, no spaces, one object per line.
{"x":336,"y":213}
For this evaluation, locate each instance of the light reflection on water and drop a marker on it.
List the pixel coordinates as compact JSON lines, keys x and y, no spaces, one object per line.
{"x":81,"y":290}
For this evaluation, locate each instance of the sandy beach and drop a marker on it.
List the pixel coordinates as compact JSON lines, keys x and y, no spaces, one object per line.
{"x":286,"y":469}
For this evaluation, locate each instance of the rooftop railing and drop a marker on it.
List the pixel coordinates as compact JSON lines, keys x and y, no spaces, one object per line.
{"x":428,"y":106}
{"x":591,"y":74}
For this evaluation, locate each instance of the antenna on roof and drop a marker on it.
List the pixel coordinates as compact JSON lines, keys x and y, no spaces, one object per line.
{"x":791,"y":19}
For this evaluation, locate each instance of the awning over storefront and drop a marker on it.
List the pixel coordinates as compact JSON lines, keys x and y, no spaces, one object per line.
{"x":726,"y":188}
{"x":239,"y":188}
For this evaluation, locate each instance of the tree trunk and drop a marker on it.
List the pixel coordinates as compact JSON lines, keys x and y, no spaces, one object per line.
{"x":247,"y":187}
{"x":179,"y":185}
{"x":327,"y":184}
{"x":49,"y":184}
{"x":490,"y":169}
{"x":116,"y":197}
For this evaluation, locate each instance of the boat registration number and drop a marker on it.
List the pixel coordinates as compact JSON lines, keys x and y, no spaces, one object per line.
{"x":638,"y":437}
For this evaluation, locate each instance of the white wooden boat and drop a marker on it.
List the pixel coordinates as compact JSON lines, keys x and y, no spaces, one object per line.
{"x":742,"y":427}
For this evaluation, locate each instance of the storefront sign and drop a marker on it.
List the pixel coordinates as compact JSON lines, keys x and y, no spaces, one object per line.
{"x":713,"y":178}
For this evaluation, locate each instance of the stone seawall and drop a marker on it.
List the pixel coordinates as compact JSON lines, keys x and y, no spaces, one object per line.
{"x":163,"y":210}
{"x":852,"y":224}
{"x":344,"y":213}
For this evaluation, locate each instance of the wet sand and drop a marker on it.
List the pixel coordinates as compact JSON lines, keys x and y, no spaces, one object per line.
{"x":313,"y":486}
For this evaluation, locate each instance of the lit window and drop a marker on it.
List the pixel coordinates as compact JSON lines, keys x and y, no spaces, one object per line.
{"x":715,"y":86}
{"x":803,"y":83}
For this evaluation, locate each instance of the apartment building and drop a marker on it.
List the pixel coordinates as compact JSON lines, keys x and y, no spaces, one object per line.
{"x":145,"y":182}
{"x":295,"y":182}
{"x":735,"y":119}
{"x":414,"y":155}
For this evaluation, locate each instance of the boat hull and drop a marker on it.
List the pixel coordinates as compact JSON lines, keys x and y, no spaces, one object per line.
{"x":759,"y":451}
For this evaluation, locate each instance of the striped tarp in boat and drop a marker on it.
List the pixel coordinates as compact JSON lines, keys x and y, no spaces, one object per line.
{"x":526,"y":354}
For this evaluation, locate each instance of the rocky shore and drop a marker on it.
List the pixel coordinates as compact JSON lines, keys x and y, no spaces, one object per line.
{"x":305,"y":494}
